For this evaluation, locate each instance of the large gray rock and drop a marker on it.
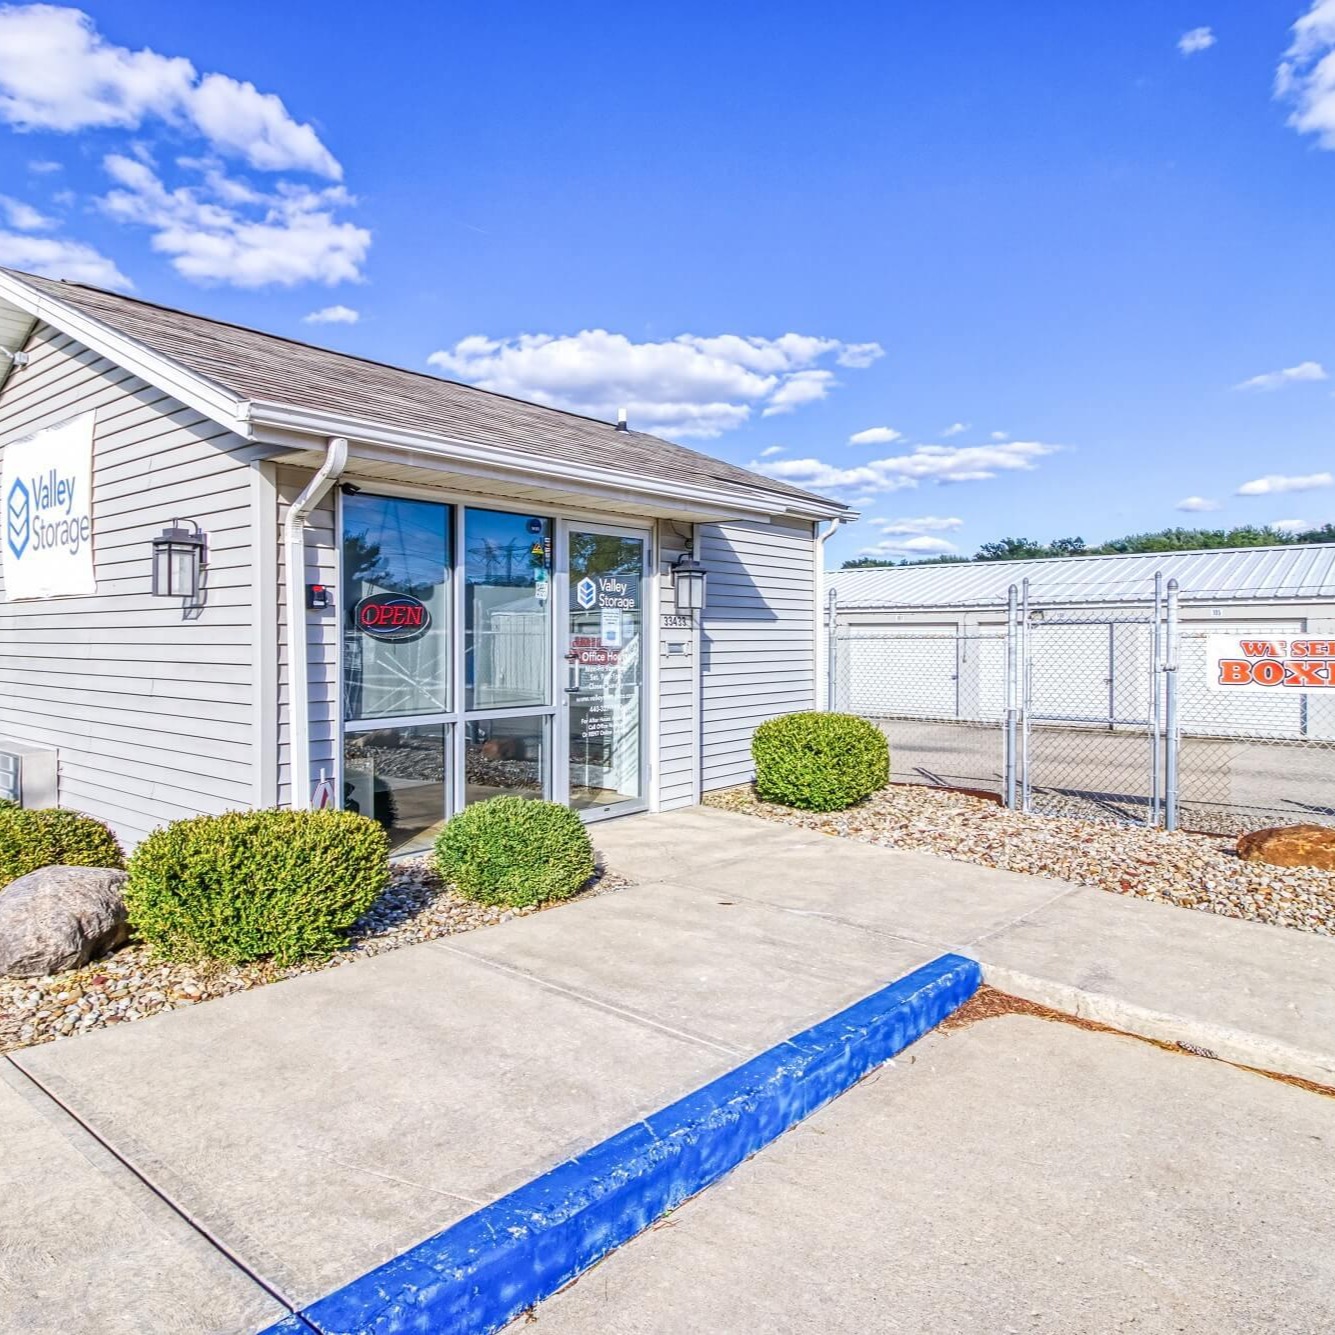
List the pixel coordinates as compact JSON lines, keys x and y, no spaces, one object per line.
{"x":59,"y":918}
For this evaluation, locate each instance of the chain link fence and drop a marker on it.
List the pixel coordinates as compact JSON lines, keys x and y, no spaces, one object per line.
{"x":1103,"y":716}
{"x":940,"y":695}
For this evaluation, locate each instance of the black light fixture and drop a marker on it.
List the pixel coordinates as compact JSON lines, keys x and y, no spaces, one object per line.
{"x":688,"y":584}
{"x":178,"y":559}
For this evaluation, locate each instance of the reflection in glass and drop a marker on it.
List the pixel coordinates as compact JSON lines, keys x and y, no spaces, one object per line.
{"x":397,"y":776}
{"x":505,"y":756}
{"x":507,"y":610}
{"x":606,"y":635}
{"x":401,"y":549}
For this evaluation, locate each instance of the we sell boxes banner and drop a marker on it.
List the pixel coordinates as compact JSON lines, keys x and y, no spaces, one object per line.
{"x":1241,"y":663}
{"x":46,"y":481}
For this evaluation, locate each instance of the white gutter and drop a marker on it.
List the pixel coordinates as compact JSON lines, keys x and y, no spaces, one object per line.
{"x":822,"y":631}
{"x":294,"y":554}
{"x":282,"y":418}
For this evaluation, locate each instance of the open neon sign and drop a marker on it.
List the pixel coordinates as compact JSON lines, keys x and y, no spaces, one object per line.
{"x":392,"y":616}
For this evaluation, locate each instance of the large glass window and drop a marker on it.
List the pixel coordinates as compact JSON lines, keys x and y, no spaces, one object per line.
{"x":399,"y":777}
{"x":507,"y":610}
{"x":396,"y":607}
{"x":505,"y":756}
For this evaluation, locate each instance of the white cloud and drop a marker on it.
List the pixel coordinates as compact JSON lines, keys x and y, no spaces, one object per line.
{"x":222,"y":230}
{"x":921,"y":524}
{"x":685,"y":386}
{"x":859,"y":356}
{"x":799,"y":388}
{"x":24,"y":217}
{"x":1198,"y":39}
{"x":955,"y":429}
{"x":1292,"y":525}
{"x":926,"y":463}
{"x":1290,"y":375}
{"x":333,"y":315}
{"x":44,"y":166}
{"x":770,"y":451}
{"x":54,"y":258}
{"x":1197,"y":504}
{"x":1305,"y":78}
{"x":58,"y":73}
{"x":876,"y":435}
{"x":1001,"y":435}
{"x":919,"y":546}
{"x":1275,"y":484}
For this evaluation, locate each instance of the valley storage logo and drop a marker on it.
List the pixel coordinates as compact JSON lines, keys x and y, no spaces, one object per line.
{"x":605,"y":592}
{"x":47,"y":484}
{"x":1243,"y":664}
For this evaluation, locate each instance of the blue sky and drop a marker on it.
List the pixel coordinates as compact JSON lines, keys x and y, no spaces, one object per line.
{"x":1035,"y":249}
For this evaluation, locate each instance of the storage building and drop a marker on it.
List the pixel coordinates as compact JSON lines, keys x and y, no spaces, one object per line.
{"x":240,"y":571}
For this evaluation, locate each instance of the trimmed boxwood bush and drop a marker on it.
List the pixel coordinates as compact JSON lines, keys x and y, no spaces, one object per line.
{"x":819,"y":762}
{"x":251,"y":885}
{"x":52,"y":837}
{"x":515,"y":851}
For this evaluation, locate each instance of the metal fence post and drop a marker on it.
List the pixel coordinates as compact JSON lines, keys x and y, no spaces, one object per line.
{"x":1012,"y":689}
{"x":1171,"y":740}
{"x":831,"y":651}
{"x":1156,"y":703}
{"x":1026,"y":686}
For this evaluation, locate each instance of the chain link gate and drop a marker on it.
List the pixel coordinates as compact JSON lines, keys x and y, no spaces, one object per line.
{"x":1098,"y":715}
{"x":1093,"y":708}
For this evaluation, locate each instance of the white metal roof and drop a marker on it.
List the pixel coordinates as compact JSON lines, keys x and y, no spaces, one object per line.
{"x":1240,"y":574}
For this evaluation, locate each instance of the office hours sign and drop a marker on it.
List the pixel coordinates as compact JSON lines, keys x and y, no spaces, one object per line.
{"x":1246,"y":663}
{"x":46,"y":482}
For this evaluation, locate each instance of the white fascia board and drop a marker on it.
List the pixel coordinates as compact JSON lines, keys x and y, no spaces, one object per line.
{"x":499,"y":462}
{"x":196,"y":391}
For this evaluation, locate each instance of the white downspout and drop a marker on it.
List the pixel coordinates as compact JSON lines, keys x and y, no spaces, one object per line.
{"x":822,"y":632}
{"x":294,"y":555}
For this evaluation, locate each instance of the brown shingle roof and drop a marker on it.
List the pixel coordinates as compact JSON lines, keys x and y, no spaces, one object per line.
{"x":274,"y":369}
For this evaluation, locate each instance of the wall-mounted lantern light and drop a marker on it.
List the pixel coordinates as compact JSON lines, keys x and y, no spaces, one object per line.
{"x":178,"y":559}
{"x":688,"y":584}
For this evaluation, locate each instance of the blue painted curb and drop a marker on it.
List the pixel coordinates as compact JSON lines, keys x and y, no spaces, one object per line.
{"x":485,"y":1270}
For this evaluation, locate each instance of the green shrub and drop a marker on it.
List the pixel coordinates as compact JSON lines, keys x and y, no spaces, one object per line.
{"x":254,"y":884}
{"x":819,"y":762}
{"x":515,"y":851}
{"x":52,"y":837}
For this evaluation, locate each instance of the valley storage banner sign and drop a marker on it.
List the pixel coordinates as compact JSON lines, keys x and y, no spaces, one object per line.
{"x":1238,"y":663}
{"x":46,"y":482}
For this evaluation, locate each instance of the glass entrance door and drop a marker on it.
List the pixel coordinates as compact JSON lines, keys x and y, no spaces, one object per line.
{"x":604,"y":703}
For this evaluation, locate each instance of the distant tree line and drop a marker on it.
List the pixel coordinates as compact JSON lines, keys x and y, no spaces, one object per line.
{"x":1166,"y":540}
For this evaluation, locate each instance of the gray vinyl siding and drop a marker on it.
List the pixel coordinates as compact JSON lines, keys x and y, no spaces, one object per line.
{"x":152,"y":714}
{"x":678,"y":691}
{"x":758,"y":650}
{"x":321,"y":636}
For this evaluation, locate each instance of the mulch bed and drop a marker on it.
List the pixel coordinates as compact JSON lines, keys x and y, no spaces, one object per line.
{"x":989,"y":1004}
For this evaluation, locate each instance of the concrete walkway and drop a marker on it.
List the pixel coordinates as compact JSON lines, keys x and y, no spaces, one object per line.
{"x":1263,"y":996}
{"x":216,"y":1165}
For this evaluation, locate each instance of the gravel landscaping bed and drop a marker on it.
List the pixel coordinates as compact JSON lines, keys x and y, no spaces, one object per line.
{"x":132,"y":983}
{"x":1194,"y":871}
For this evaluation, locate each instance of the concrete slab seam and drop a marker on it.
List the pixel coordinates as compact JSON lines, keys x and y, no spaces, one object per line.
{"x":184,"y":1215}
{"x":586,"y":998}
{"x":1228,"y":1044}
{"x":482,"y":1272}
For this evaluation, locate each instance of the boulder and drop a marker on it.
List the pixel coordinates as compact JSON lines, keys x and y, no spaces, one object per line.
{"x":58,"y":918}
{"x":1291,"y":846}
